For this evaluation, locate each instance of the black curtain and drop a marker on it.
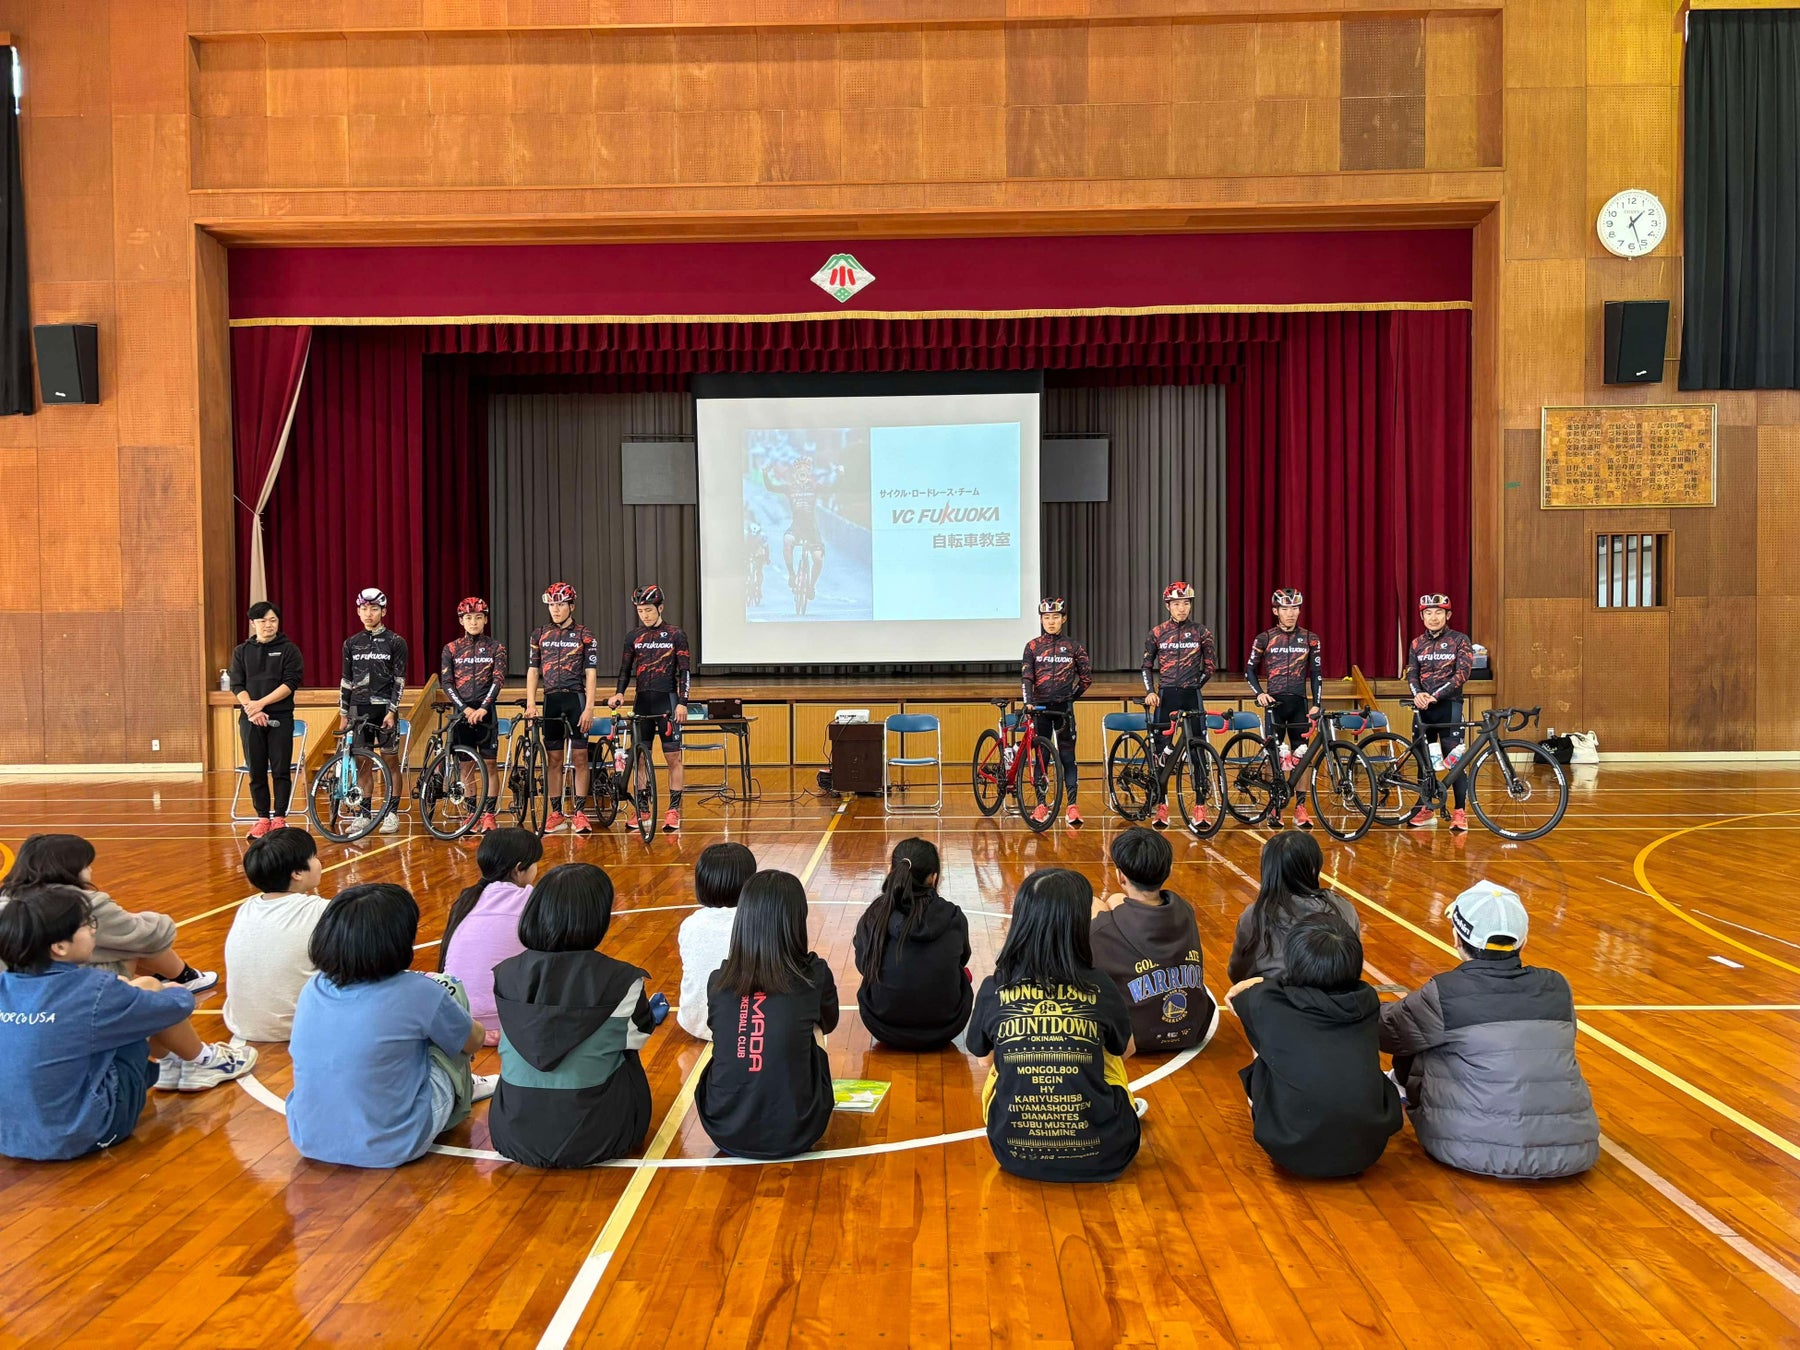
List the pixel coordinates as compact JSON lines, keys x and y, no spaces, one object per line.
{"x":16,"y":393}
{"x":1741,"y":319}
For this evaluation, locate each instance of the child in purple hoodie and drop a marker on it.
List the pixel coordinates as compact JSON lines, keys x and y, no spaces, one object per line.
{"x":483,"y":927}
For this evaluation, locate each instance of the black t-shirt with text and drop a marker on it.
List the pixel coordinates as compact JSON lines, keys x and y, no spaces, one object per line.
{"x":1053,"y":1112}
{"x":766,"y":1092}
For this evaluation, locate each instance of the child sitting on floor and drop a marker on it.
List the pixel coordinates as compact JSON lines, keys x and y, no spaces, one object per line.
{"x":266,"y":964}
{"x":125,"y":943}
{"x":1486,"y":1053}
{"x":1148,"y":941}
{"x":79,"y":1043}
{"x":482,"y":929}
{"x":381,"y":1052}
{"x":766,"y":1092}
{"x":1319,"y":1103}
{"x":1291,"y":890}
{"x":1057,"y":1102}
{"x":912,"y":949}
{"x":704,"y":938}
{"x":572,"y":1019}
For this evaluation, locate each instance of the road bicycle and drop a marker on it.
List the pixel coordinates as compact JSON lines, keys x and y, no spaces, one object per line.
{"x":1016,"y":760}
{"x":625,"y":772}
{"x":1517,"y":787}
{"x":454,"y":782}
{"x":805,"y":577}
{"x":353,"y":791}
{"x":1258,"y":783}
{"x":1138,"y":776}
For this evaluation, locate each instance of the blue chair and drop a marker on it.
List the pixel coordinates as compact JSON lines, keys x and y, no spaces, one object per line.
{"x":1375,"y":721}
{"x":1246,"y":720}
{"x":243,"y":773}
{"x":706,"y":743}
{"x":904,"y":725}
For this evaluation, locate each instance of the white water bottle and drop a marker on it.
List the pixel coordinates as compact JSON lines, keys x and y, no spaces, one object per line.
{"x":1007,"y":755}
{"x":618,"y":758}
{"x":1437,"y":757}
{"x":1454,"y":757}
{"x":225,"y":681}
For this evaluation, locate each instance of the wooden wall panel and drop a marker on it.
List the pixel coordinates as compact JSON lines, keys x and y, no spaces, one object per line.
{"x":1716,"y":547}
{"x":78,"y":530}
{"x":150,"y":202}
{"x":19,"y":542}
{"x":1545,"y":551}
{"x":85,"y":673}
{"x":158,"y":526}
{"x":771,"y":733}
{"x":1777,"y":658}
{"x":1712,"y":673}
{"x":1545,"y":175}
{"x":1777,"y":510}
{"x":22,"y":676}
{"x":1545,"y":337}
{"x":1543,"y":666}
{"x":1625,"y":678}
{"x":165,"y":668}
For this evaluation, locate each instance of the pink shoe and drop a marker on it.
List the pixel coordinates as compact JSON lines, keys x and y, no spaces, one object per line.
{"x":263,"y":826}
{"x":278,"y":822}
{"x":1423,"y":816}
{"x":1200,"y":819}
{"x":1074,"y":817}
{"x":581,"y":825}
{"x":1039,"y":814}
{"x":486,"y":823}
{"x":1459,"y":819}
{"x":671,"y":821}
{"x":1301,"y":819}
{"x":555,"y":823}
{"x":1160,"y":818}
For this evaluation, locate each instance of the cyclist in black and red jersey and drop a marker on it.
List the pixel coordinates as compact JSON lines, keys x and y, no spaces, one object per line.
{"x":800,"y":484}
{"x":566,"y":660}
{"x":471,"y":670}
{"x":1438,"y":665}
{"x":1179,"y":658}
{"x":658,"y":656}
{"x":1054,"y":673}
{"x":756,"y":560}
{"x":373,"y":683}
{"x":1286,"y":672}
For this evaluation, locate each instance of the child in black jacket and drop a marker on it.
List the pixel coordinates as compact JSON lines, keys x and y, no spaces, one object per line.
{"x":1319,"y":1103}
{"x":912,"y":950}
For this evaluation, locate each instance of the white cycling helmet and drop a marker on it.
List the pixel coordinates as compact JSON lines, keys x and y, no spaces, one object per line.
{"x":370,"y":595}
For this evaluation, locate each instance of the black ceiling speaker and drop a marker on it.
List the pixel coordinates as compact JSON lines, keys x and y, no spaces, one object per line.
{"x":1636,"y":333}
{"x":68,"y":358}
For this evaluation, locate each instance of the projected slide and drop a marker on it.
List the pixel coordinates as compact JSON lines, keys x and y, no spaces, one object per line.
{"x":875,"y":529}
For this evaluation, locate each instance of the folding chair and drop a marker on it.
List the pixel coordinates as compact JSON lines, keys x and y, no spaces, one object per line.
{"x":243,"y":773}
{"x":904,"y":725}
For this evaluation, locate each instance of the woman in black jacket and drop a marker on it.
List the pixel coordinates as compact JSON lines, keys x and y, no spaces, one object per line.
{"x":265,"y":672}
{"x":912,"y":950}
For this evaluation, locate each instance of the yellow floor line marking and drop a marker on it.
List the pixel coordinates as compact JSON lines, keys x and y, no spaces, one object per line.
{"x":1643,"y":879}
{"x":612,"y":1235}
{"x":195,"y":918}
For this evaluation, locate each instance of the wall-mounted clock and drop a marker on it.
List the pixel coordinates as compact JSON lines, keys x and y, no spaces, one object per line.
{"x":1632,"y":223}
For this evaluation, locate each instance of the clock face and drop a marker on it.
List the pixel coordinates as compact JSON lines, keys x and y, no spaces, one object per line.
{"x":1632,"y":223}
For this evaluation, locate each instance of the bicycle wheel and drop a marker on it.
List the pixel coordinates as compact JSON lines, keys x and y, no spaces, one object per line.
{"x":1250,"y":786}
{"x":987,"y":773}
{"x":1130,"y":786}
{"x":603,"y":794}
{"x":339,"y":806}
{"x":1399,"y":776}
{"x":1200,"y":790}
{"x":802,"y":581}
{"x":1039,"y":788}
{"x":529,"y":783}
{"x":1343,"y":791}
{"x":447,"y":807}
{"x":643,"y":792}
{"x":1526,"y":790}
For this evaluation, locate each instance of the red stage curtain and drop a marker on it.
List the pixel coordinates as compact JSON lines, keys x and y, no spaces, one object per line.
{"x":349,"y":513}
{"x":1348,"y":477}
{"x":266,"y":369}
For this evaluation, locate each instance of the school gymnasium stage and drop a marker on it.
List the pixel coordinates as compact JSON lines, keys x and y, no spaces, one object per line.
{"x":1660,"y":896}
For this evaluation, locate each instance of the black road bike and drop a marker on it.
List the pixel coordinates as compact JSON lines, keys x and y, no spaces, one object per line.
{"x":1343,"y":786}
{"x":1517,"y":787}
{"x":1138,"y":775}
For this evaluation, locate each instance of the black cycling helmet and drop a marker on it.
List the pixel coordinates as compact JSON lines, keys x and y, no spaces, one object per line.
{"x":648,"y":595}
{"x":1053,"y":604}
{"x":559,"y":593}
{"x":1286,"y":596}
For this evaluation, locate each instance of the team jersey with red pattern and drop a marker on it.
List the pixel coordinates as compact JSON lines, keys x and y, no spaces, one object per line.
{"x":563,"y":654}
{"x":1055,"y":669}
{"x":1178,"y":655}
{"x":472,"y":669}
{"x":1286,"y":661}
{"x":659,"y":658}
{"x":1440,"y":665}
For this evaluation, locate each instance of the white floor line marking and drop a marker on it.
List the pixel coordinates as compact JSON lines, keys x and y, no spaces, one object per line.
{"x":1687,"y":1007}
{"x":1727,"y":961}
{"x":346,"y":862}
{"x":1711,"y":1222}
{"x":1744,"y":927}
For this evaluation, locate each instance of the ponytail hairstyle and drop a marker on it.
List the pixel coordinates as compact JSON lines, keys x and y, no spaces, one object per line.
{"x":34,"y":920}
{"x":502,"y":853}
{"x":1291,"y":862}
{"x":911,"y":867}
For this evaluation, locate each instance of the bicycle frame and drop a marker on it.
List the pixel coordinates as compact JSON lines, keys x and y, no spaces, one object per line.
{"x":1492,"y":726}
{"x":1021,"y":738}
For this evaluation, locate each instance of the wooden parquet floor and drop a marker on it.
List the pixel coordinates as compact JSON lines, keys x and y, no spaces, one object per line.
{"x":1665,"y":897}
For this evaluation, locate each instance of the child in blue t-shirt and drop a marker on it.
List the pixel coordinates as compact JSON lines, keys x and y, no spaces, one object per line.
{"x":79,"y":1044}
{"x":381,"y":1052}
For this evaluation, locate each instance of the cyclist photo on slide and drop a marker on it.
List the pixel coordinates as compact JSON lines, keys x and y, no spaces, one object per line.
{"x":811,"y":486}
{"x":756,"y":562}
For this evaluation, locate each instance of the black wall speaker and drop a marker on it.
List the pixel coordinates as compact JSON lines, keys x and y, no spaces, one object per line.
{"x":68,"y":358}
{"x":1636,"y":333}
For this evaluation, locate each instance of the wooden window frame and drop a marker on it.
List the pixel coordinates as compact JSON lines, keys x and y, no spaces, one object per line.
{"x":1665,"y":552}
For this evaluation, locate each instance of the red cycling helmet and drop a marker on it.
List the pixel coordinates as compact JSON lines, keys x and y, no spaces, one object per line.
{"x":1053,"y":604}
{"x":1434,"y":601}
{"x":1286,"y":596}
{"x":648,"y":595}
{"x":473,"y":604}
{"x":1178,"y":590}
{"x":560,"y":593}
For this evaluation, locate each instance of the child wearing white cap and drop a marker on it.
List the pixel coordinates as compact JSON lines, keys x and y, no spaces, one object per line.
{"x":1486,"y":1053}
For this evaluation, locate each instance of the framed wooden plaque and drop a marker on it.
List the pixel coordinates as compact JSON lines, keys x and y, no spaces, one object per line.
{"x":1632,"y":454}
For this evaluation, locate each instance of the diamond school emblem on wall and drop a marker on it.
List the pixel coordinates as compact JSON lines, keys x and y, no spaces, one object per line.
{"x":842,"y":277}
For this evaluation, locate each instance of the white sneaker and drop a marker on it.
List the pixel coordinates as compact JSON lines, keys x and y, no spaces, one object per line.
{"x":390,"y":823}
{"x":168,"y":1074}
{"x":485,"y":1083}
{"x":220,"y":1064}
{"x":202,"y":981}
